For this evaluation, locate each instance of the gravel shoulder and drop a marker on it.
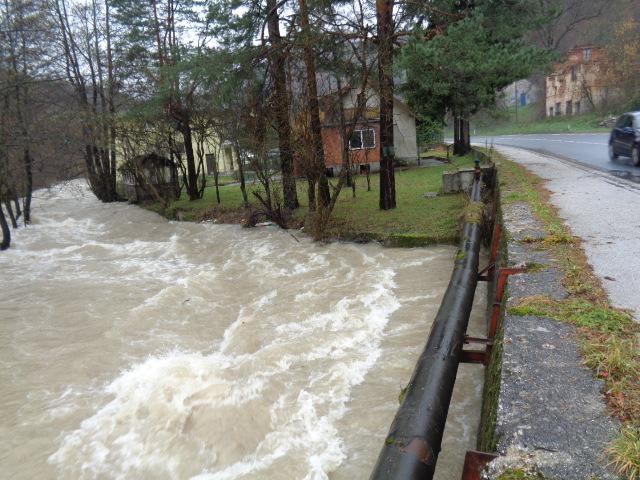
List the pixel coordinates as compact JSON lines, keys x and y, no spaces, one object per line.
{"x":603,"y":211}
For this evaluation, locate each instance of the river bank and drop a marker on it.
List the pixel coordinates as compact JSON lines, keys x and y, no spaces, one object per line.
{"x":424,"y":215}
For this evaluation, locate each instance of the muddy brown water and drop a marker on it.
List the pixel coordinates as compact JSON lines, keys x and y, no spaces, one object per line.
{"x":136,"y":348}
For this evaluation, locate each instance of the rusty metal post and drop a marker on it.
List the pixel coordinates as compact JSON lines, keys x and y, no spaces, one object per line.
{"x":474,"y":463}
{"x":495,"y":246}
{"x":503,"y":275}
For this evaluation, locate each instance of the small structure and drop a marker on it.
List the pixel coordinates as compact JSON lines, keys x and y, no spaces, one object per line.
{"x":149,"y":177}
{"x":520,"y":93}
{"x":225,"y":159}
{"x":578,"y":84}
{"x":364,"y":144}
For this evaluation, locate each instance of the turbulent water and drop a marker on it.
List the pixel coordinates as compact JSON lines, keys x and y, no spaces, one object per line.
{"x":136,"y":348}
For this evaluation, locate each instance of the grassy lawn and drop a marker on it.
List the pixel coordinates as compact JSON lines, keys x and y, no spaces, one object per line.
{"x":527,"y":122}
{"x":222,"y":179}
{"x":416,"y":221}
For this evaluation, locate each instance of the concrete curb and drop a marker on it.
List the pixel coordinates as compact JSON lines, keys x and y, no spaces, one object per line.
{"x":551,"y":416}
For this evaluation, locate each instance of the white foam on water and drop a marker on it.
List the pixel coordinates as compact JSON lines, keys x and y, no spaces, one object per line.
{"x":149,"y":424}
{"x":238,"y":351}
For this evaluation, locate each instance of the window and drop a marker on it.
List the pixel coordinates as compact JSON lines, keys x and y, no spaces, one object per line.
{"x":228,"y":155}
{"x":362,"y":139}
{"x":569,"y":108}
{"x":624,"y":121}
{"x":587,"y":54}
{"x":578,"y":107}
{"x":558,"y":109}
{"x":209,"y":159}
{"x":551,"y":111}
{"x":574,"y":75}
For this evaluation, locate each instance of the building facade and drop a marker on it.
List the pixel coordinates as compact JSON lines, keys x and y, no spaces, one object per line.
{"x":364,"y":144}
{"x":520,"y":93}
{"x":578,"y":85}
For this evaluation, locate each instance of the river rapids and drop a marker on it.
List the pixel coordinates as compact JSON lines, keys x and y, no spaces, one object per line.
{"x":136,"y":348}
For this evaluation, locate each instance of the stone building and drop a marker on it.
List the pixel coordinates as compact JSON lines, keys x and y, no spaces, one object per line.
{"x":578,"y":85}
{"x":520,"y":93}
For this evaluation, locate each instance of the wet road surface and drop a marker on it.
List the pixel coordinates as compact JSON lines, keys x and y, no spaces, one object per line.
{"x":600,"y":209}
{"x":588,"y":149}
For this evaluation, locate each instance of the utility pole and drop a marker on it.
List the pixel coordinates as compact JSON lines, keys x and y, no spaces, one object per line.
{"x":516,"y":84}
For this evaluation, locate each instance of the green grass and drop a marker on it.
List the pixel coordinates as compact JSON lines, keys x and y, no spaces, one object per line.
{"x":416,"y":221}
{"x":519,"y":474}
{"x":584,"y":314}
{"x":505,"y":123}
{"x":434,"y":219}
{"x":222,"y":179}
{"x":626,"y":452}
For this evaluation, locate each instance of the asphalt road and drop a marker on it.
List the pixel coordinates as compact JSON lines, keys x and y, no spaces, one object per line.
{"x":589,"y":149}
{"x":600,"y":209}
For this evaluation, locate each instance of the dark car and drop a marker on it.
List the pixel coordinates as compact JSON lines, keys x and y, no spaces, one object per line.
{"x":625,"y":138}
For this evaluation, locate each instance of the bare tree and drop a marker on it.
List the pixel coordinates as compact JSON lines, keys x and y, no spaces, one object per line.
{"x":80,"y":33}
{"x":565,"y":19}
{"x":6,"y":232}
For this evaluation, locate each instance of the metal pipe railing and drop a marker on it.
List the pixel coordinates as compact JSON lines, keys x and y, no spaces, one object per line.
{"x":412,"y":446}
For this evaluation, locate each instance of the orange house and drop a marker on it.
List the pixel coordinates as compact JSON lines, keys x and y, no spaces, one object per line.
{"x":364,"y":144}
{"x":364,"y":149}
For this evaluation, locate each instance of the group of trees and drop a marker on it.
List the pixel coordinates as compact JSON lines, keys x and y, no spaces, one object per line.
{"x":87,"y":85}
{"x":623,"y":52}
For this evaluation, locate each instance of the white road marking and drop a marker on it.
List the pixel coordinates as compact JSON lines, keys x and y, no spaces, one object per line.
{"x":602,"y":210}
{"x":557,"y":141}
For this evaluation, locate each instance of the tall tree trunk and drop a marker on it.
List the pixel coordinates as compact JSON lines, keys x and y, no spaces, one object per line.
{"x":243,"y":188}
{"x":216,"y":176}
{"x":281,"y":107}
{"x":311,"y":193}
{"x":324,"y":193}
{"x":192,"y":174}
{"x":6,"y":232}
{"x":12,"y":217}
{"x":384,"y":15}
{"x":461,"y":138}
{"x":110,"y":98}
{"x":28,"y":173}
{"x":466,"y":134}
{"x":16,"y":202}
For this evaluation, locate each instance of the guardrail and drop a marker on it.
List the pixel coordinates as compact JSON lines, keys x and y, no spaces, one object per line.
{"x":412,"y":446}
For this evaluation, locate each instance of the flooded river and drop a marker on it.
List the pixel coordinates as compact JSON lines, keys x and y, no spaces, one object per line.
{"x":135,"y":348}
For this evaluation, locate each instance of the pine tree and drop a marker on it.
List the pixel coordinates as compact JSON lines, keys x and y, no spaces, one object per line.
{"x":459,"y":62}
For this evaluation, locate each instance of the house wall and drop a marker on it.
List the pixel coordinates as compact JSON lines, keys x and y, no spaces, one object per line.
{"x":577,"y":85}
{"x":514,"y":93}
{"x":225,"y":156}
{"x":404,"y":133}
{"x":332,"y":144}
